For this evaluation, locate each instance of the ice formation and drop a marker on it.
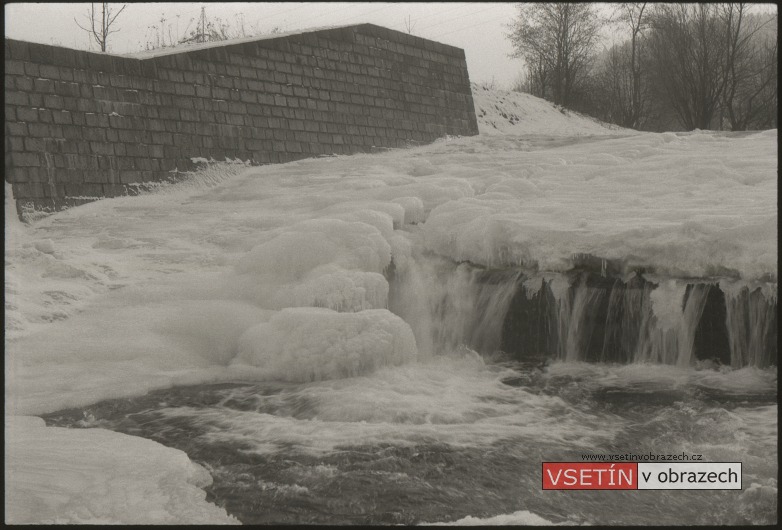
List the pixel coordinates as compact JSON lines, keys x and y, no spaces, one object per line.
{"x":312,"y":344}
{"x":289,"y":271}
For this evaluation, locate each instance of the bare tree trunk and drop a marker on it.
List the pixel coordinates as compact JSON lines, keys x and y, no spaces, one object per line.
{"x":101,"y":33}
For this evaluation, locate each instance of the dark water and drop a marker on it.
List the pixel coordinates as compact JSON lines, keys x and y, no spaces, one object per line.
{"x":454,"y":436}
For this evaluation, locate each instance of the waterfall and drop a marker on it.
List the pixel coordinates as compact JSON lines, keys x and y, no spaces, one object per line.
{"x":592,"y":316}
{"x":453,"y":305}
{"x":752,"y":325}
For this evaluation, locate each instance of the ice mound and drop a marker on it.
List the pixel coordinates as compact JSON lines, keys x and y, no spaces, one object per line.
{"x":338,"y":289}
{"x":301,"y":248}
{"x":385,"y":216}
{"x":311,"y":344}
{"x":476,"y":230}
{"x":93,"y":476}
{"x":431,"y":191}
{"x":414,"y":209}
{"x":327,"y":262}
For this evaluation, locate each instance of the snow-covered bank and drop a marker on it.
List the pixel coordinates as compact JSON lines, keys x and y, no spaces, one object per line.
{"x":501,"y":112}
{"x":73,"y":476}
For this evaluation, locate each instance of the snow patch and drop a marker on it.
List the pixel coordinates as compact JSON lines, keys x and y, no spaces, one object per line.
{"x":93,"y":476}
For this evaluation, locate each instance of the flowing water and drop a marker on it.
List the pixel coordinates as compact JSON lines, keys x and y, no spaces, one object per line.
{"x":516,"y":368}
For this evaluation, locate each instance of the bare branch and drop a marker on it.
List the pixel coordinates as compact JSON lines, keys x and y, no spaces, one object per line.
{"x":101,"y":34}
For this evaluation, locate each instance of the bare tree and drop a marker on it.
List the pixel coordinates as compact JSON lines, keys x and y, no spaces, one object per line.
{"x":688,"y":46}
{"x":409,"y":24}
{"x":768,"y":95}
{"x":538,"y":76}
{"x":560,"y":37}
{"x":100,"y":23}
{"x":633,"y":15}
{"x":621,"y":91}
{"x":613,"y":81}
{"x":745,"y":65}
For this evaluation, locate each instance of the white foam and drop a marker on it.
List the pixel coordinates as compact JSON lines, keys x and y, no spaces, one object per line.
{"x":454,"y":400}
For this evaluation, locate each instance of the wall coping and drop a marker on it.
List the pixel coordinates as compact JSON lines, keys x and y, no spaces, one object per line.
{"x":172,"y":50}
{"x":20,"y":49}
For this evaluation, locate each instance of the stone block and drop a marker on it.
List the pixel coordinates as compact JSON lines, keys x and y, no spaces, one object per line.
{"x":169,"y":113}
{"x":155,"y":151}
{"x":129,"y":96}
{"x":16,"y":129}
{"x":184,"y":102}
{"x":24,"y":84}
{"x":247,"y":96}
{"x":171,"y":153}
{"x":114,"y":190}
{"x":25,"y":114}
{"x":100,"y":62}
{"x":28,"y":190}
{"x":185,"y":127}
{"x":236,"y":107}
{"x":32,"y":69}
{"x":162,"y":138}
{"x":87,"y":105}
{"x":182,"y":89}
{"x":165,"y":87}
{"x":102,"y":148}
{"x":14,"y":144}
{"x":25,"y":159}
{"x":148,"y":68}
{"x":126,"y":163}
{"x":188,"y":115}
{"x":62,"y":117}
{"x":96,"y":120}
{"x":16,"y":98}
{"x":40,"y":130}
{"x":14,"y":66}
{"x":129,"y":136}
{"x":119,"y":122}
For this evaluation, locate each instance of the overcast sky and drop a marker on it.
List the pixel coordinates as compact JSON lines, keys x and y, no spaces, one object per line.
{"x":478,"y":28}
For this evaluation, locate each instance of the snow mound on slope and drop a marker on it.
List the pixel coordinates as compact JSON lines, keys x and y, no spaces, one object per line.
{"x":503,"y":112}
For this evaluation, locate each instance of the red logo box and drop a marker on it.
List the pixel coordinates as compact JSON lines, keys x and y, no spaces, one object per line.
{"x":590,"y":476}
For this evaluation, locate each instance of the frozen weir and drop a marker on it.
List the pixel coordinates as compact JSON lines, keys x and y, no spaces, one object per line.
{"x":591,"y":314}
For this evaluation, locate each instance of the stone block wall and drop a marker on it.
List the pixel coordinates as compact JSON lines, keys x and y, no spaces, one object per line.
{"x":82,"y":125}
